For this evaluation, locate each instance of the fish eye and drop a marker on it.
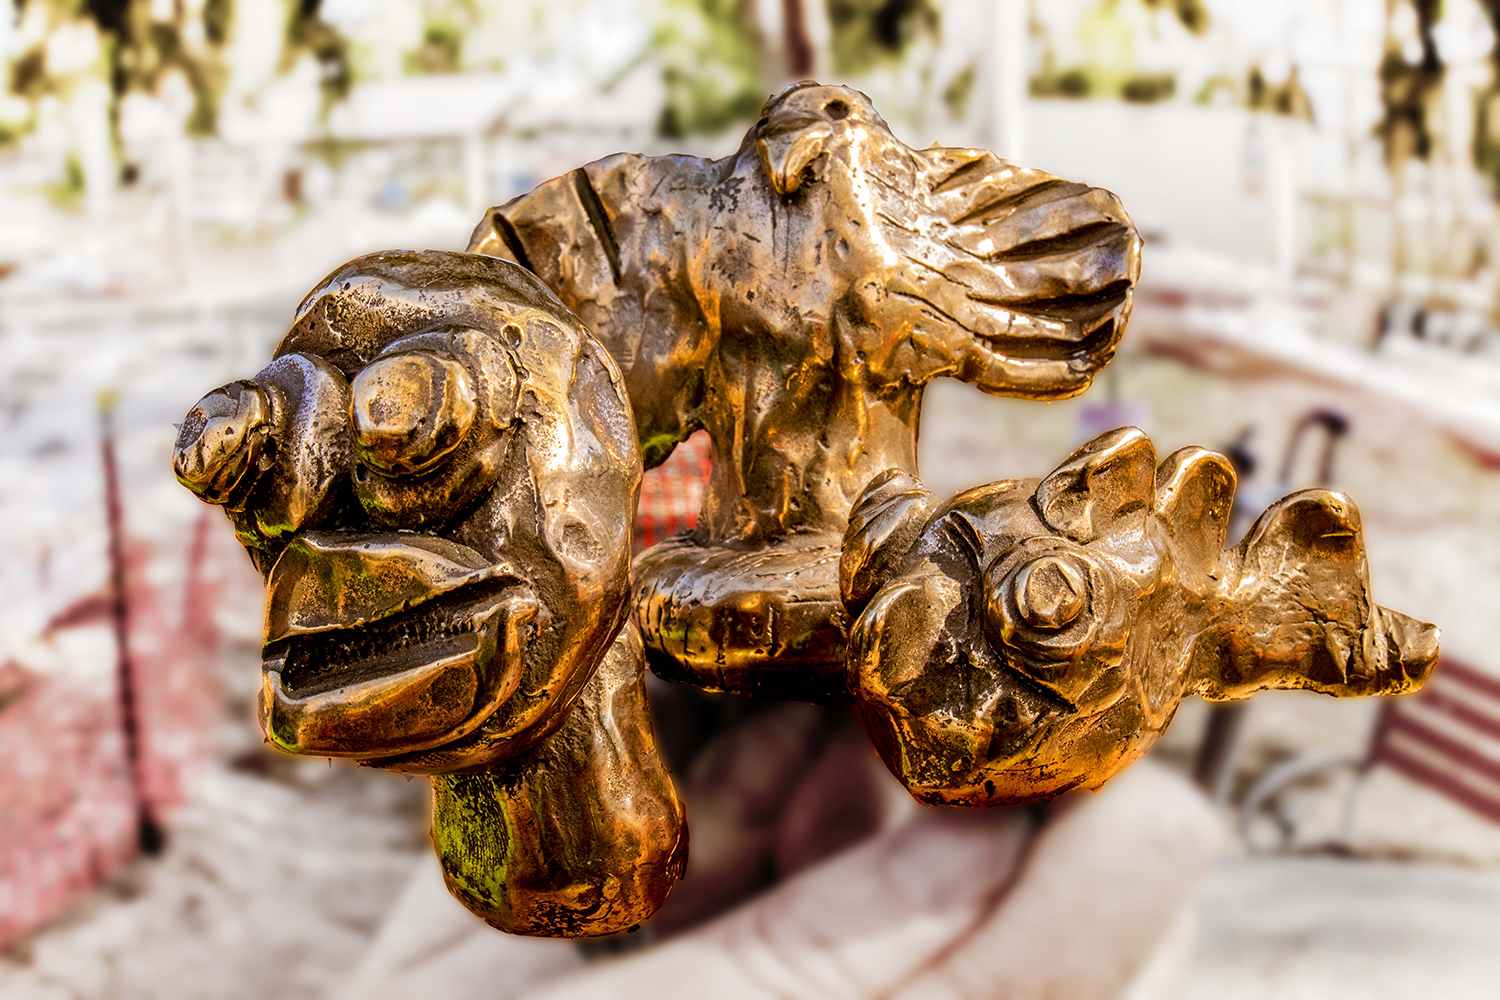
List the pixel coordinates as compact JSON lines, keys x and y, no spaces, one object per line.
{"x":409,"y":411}
{"x":1049,"y":593}
{"x":836,"y":110}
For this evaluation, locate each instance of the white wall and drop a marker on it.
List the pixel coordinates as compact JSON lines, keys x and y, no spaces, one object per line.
{"x":1208,"y":177}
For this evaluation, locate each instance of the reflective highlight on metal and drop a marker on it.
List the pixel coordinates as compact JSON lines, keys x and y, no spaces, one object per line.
{"x":793,"y":299}
{"x":1033,"y":636}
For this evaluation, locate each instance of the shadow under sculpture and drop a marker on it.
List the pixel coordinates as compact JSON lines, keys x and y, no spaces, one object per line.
{"x":793,"y":299}
{"x":437,"y":477}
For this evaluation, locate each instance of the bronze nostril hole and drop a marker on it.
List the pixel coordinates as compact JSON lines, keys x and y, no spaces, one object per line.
{"x":409,"y":411}
{"x":1049,"y":592}
{"x":836,"y":110}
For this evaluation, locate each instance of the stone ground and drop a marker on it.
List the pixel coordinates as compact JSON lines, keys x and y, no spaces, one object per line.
{"x":277,"y":878}
{"x":271,"y":885}
{"x":1336,"y":929}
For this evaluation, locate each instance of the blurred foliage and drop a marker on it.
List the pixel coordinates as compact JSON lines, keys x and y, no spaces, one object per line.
{"x":1107,"y":33}
{"x":1148,"y":87}
{"x":1487,"y":109}
{"x":442,"y":45}
{"x":1409,"y":89}
{"x":1284,"y":98}
{"x":1073,"y":82}
{"x":1192,"y":13}
{"x":217,"y":15}
{"x":1487,"y":137}
{"x":67,"y":191}
{"x":710,"y":53}
{"x":960,"y":89}
{"x":1105,"y":59}
{"x":306,"y":32}
{"x":1100,"y":57}
{"x":867,"y":33}
{"x":146,"y":47}
{"x":137,"y":48}
{"x":28,"y":76}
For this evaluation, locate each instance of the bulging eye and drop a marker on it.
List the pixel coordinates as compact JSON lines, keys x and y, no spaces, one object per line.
{"x":409,"y":411}
{"x":1049,"y":592}
{"x":1042,"y":599}
{"x":220,"y":440}
{"x":1050,"y":610}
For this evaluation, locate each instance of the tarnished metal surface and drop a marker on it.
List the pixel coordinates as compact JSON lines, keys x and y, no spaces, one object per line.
{"x":793,"y":299}
{"x":1032,"y":636}
{"x":582,"y":835}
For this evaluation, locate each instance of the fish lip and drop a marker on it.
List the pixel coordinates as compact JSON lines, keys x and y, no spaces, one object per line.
{"x":380,"y":644}
{"x":1100,"y":339}
{"x":321,"y":581}
{"x":1080,"y":365}
{"x":375,"y":700}
{"x":358,"y":651}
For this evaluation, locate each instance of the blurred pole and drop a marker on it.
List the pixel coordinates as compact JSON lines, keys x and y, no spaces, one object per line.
{"x":796,"y":38}
{"x":1214,"y":768}
{"x":148,"y":833}
{"x":800,"y":62}
{"x":1010,"y":78}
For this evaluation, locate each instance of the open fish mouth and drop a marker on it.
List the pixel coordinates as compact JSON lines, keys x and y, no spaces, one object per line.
{"x":386,"y":644}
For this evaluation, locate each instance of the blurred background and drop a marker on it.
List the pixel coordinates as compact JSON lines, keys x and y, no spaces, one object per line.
{"x":1318,"y":184}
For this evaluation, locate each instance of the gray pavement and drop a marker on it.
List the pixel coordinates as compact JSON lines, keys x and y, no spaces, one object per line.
{"x":1338,"y":929}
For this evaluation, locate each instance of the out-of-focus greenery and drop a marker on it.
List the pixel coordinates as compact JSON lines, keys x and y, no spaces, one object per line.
{"x":1145,"y":88}
{"x":1409,"y":88}
{"x":67,"y":191}
{"x":1487,"y":109}
{"x":1096,"y":57}
{"x":146,"y":46}
{"x":442,"y":43}
{"x":867,"y":33}
{"x":306,"y":32}
{"x":959,"y":90}
{"x":1284,"y":98}
{"x":1192,"y":13}
{"x":1103,"y":58}
{"x":710,"y":52}
{"x":1102,"y":61}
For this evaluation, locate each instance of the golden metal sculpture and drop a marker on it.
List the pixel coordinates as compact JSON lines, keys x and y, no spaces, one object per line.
{"x":793,"y":299}
{"x":1032,"y":636}
{"x":437,"y":476}
{"x":582,"y":835}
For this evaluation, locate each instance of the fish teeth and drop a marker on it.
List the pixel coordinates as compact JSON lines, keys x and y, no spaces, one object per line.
{"x":347,"y":649}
